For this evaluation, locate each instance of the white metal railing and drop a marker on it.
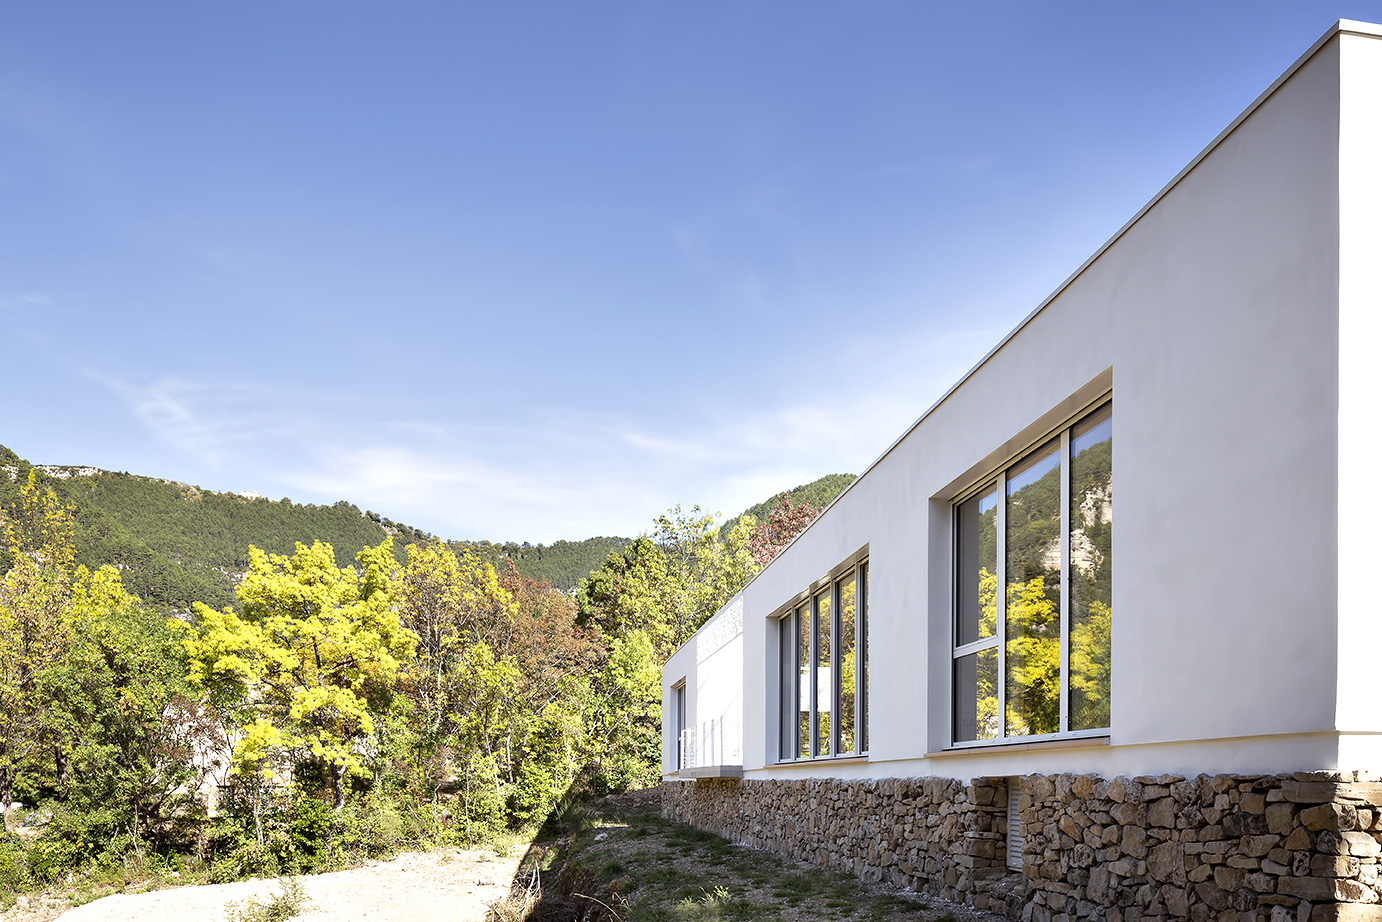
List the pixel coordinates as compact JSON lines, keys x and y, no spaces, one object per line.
{"x":716,"y":742}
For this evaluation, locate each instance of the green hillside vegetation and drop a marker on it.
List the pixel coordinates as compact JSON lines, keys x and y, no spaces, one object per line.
{"x":818,"y":493}
{"x":562,"y":563}
{"x":175,"y":543}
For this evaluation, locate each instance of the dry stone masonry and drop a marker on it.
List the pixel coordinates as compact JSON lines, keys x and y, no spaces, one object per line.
{"x":1235,"y":848}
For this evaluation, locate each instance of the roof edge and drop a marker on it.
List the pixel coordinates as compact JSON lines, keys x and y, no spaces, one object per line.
{"x":1341,"y":27}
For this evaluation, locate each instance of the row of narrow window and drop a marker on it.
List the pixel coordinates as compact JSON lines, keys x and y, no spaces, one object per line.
{"x":823,"y":665}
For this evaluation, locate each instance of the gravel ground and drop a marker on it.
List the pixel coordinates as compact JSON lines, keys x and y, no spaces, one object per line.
{"x":647,"y":867}
{"x":450,"y":884}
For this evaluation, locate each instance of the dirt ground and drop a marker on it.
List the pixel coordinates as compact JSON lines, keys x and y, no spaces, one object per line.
{"x":451,"y":884}
{"x":623,"y":857}
{"x":643,"y":868}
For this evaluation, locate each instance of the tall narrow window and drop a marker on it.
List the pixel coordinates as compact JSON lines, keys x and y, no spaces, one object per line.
{"x":864,"y":657}
{"x":803,"y":622}
{"x":848,"y":673}
{"x":1032,"y":543}
{"x":824,"y":685}
{"x":679,"y":709}
{"x":787,"y":671}
{"x":823,"y":662}
{"x":976,"y":618}
{"x":1032,"y":659}
{"x":1091,"y":569}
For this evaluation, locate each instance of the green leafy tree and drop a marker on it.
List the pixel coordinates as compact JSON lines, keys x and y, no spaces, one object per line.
{"x":451,"y":604}
{"x":35,"y":623}
{"x":646,"y":602}
{"x":668,"y":583}
{"x":121,"y":717}
{"x":630,"y":712}
{"x":498,"y":687}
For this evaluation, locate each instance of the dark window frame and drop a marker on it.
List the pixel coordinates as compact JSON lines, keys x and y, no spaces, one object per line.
{"x":788,"y":622}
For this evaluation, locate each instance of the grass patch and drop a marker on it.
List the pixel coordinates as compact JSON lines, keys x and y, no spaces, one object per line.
{"x":639,"y":867}
{"x":278,"y":907}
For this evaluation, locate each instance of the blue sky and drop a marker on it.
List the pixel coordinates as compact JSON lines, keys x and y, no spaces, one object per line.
{"x":529,"y":271}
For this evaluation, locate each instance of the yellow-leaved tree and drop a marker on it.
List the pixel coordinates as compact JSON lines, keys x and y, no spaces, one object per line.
{"x":308,"y":667}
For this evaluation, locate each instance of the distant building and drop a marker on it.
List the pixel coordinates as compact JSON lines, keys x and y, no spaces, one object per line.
{"x":980,"y":674}
{"x":250,"y":494}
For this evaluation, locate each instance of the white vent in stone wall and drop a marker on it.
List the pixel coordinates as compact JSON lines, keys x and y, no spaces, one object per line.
{"x":1014,"y":824}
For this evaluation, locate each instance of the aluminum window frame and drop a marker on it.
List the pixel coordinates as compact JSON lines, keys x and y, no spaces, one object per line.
{"x":788,"y":623}
{"x":997,"y":481}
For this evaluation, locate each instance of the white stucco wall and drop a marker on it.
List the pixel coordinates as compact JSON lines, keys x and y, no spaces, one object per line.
{"x":1360,"y":394}
{"x":712,"y":665}
{"x":1236,"y":321}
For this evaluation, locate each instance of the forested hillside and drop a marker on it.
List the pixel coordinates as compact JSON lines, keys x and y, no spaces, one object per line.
{"x":818,"y":494}
{"x":562,"y":563}
{"x":176,"y":544}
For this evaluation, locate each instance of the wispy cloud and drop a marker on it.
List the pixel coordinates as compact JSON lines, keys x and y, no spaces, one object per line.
{"x":540,"y":475}
{"x":208,"y":422}
{"x":31,"y":303}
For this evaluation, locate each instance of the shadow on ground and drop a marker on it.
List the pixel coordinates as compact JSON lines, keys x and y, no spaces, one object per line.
{"x":617,"y":859}
{"x":553,"y":884}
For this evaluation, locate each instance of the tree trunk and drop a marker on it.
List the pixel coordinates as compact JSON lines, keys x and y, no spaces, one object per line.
{"x":60,"y":760}
{"x":338,"y":785}
{"x":6,"y":787}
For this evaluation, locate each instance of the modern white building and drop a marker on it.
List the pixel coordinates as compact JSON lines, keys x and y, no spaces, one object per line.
{"x":1171,"y":708}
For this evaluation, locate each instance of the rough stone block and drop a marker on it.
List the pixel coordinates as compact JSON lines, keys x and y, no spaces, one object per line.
{"x":1333,"y":816}
{"x":1229,"y":879}
{"x":1162,"y":813}
{"x":1244,"y":824}
{"x":1213,"y":896}
{"x":1299,"y":840}
{"x":1330,"y":842}
{"x":1320,"y":889}
{"x":1280,"y":818}
{"x":1166,"y":863}
{"x":1134,"y":842}
{"x":1257,"y":846}
{"x":1369,"y":792}
{"x":1346,"y":912}
{"x":1334,"y":866}
{"x":1245,"y":900}
{"x":1361,"y":844}
{"x":1309,"y":792}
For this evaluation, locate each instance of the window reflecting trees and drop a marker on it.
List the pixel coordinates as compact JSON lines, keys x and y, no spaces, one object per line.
{"x":1045,"y":650}
{"x":823,"y":644}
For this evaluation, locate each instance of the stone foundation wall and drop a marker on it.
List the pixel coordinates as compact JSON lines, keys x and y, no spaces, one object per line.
{"x":1242,"y":848}
{"x":937,"y":835}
